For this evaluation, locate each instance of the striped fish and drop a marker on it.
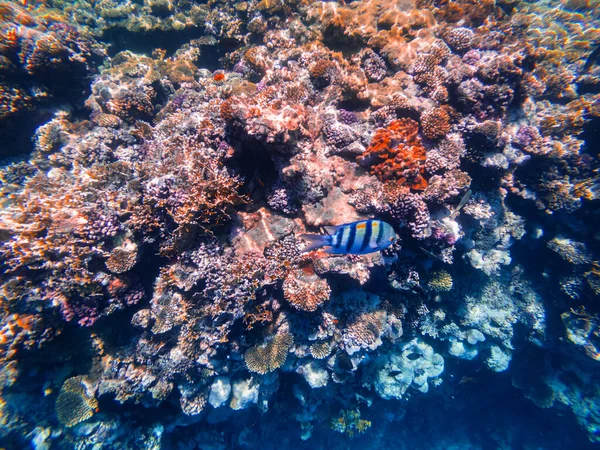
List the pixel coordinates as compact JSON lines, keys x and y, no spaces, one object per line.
{"x":358,"y":238}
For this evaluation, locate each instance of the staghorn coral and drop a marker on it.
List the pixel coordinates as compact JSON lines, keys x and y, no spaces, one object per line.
{"x":270,"y":355}
{"x":75,"y":402}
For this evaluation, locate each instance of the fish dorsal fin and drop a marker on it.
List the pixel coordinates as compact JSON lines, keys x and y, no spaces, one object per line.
{"x":330,"y":230}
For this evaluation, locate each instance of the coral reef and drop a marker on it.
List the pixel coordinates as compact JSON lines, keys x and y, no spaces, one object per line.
{"x":153,"y":290}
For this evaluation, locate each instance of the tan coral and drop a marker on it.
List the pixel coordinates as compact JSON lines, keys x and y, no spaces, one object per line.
{"x":123,"y":258}
{"x":75,"y":402}
{"x":305,"y":290}
{"x":270,"y":355}
{"x":320,"y":350}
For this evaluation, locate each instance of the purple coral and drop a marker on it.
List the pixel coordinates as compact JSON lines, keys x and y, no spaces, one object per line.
{"x":411,"y":211}
{"x":281,"y":199}
{"x":374,"y":66}
{"x":347,"y":117}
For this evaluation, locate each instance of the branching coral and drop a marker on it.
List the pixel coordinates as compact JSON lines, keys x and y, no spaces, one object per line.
{"x":440,"y":281}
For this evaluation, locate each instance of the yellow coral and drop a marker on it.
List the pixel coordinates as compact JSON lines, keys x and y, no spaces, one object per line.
{"x":270,"y":355}
{"x":75,"y":402}
{"x":320,"y":350}
{"x":440,"y":281}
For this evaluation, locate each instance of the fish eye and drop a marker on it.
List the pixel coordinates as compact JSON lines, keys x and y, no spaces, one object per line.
{"x":391,"y":239}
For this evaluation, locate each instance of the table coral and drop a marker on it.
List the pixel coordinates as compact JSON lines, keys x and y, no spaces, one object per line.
{"x":270,"y":355}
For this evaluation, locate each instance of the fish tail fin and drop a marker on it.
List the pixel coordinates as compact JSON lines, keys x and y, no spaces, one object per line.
{"x":314,"y":241}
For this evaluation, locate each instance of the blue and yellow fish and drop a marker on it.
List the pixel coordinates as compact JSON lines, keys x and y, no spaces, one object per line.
{"x":358,"y":238}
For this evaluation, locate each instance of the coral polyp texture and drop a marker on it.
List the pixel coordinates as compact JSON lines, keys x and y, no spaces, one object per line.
{"x":161,"y":160}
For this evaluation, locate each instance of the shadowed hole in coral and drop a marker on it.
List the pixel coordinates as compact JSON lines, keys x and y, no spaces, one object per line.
{"x":355,"y":105}
{"x":145,"y":42}
{"x":17,"y":130}
{"x":591,"y":136}
{"x":170,"y":41}
{"x":256,"y":166}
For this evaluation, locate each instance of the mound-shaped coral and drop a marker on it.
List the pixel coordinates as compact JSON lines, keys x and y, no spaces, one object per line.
{"x":305,"y":290}
{"x":396,"y":154}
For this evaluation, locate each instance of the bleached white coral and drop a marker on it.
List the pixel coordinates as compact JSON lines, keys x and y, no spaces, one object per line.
{"x":219,"y":391}
{"x":245,"y":393}
{"x":314,"y":374}
{"x":412,"y":365}
{"x":499,"y":359}
{"x":489,"y":261}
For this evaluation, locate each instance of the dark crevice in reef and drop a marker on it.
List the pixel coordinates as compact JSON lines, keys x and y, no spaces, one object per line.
{"x":257,"y":169}
{"x":591,"y":136}
{"x":68,"y":93}
{"x":120,"y":40}
{"x":354,"y":105}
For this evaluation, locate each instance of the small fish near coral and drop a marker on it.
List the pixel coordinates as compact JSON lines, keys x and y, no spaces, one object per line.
{"x":358,"y":238}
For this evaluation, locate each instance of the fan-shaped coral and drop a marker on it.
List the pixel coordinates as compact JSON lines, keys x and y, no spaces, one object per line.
{"x":75,"y":402}
{"x":270,"y":355}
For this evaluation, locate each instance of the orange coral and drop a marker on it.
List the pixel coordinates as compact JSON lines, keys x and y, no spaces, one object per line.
{"x":396,"y":153}
{"x":227,"y":109}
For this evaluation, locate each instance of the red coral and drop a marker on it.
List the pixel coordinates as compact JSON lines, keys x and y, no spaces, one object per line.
{"x":396,"y":153}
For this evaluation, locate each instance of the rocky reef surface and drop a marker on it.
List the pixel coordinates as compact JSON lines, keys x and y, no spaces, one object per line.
{"x":162,"y":156}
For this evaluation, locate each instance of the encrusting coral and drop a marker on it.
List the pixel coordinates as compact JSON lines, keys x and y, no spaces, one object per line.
{"x":396,"y":154}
